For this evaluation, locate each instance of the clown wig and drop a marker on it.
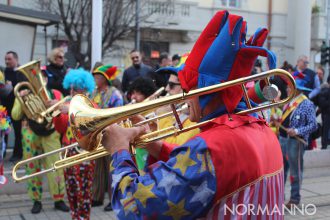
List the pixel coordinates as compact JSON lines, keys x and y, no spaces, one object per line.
{"x":79,"y":79}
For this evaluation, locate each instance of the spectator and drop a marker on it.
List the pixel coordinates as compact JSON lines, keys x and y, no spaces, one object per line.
{"x":56,"y":70}
{"x":162,"y":79}
{"x":311,"y":78}
{"x":322,"y":100}
{"x":320,"y":73}
{"x":175,"y":59}
{"x":13,"y":77}
{"x":137,"y":69}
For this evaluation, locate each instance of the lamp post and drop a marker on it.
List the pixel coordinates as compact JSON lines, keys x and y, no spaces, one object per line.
{"x":96,"y":31}
{"x":137,"y":25}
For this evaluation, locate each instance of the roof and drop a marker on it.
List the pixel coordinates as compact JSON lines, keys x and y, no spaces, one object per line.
{"x":22,"y":15}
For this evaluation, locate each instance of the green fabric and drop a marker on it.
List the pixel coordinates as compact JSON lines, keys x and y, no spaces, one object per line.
{"x":259,"y":92}
{"x":141,"y":158}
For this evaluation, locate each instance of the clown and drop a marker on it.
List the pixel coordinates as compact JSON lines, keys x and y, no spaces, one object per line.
{"x":105,"y":96}
{"x":235,"y":161}
{"x":78,"y":178}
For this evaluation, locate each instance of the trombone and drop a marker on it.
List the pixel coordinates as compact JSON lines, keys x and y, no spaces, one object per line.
{"x":87,"y":123}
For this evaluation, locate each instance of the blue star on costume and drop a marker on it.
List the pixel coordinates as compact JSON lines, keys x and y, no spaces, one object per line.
{"x":181,"y":188}
{"x":202,"y":193}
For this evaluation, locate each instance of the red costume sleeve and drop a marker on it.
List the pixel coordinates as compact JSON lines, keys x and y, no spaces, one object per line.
{"x":164,"y":154}
{"x":61,"y":123}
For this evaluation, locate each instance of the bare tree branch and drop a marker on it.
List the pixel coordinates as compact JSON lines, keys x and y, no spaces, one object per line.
{"x":76,"y":16}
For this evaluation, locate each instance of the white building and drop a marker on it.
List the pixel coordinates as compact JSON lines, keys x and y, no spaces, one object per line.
{"x":175,"y":25}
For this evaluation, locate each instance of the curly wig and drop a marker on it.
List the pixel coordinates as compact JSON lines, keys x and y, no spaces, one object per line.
{"x":79,"y":79}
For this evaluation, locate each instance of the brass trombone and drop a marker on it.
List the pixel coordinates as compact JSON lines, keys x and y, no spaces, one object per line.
{"x":87,"y":123}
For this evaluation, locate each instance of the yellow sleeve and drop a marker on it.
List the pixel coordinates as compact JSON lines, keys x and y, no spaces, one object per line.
{"x":184,"y":137}
{"x":17,"y":112}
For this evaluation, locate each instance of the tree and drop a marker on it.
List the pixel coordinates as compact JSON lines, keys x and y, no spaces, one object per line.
{"x":76,"y":16}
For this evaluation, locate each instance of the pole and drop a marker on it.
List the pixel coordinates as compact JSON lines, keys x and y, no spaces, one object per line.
{"x":137,"y":25}
{"x":96,"y":31}
{"x":326,"y":72}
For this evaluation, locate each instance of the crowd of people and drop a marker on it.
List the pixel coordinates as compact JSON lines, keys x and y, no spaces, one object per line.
{"x":193,"y":174}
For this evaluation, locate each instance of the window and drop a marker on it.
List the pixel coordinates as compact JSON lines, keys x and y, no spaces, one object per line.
{"x":231,"y":3}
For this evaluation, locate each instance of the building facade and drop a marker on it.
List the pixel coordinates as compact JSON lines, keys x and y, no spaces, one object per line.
{"x":296,"y":27}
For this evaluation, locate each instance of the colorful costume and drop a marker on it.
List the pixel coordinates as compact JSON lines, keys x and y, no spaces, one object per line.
{"x":234,"y":162}
{"x":34,"y":145}
{"x":78,"y":178}
{"x":4,"y":129}
{"x":300,"y":115}
{"x":109,"y":98}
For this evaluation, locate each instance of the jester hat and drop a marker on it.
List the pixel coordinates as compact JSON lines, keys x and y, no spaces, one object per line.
{"x":110,"y":72}
{"x":301,"y":81}
{"x":221,"y":54}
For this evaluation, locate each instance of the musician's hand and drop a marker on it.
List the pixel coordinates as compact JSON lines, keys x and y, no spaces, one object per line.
{"x":291,"y":132}
{"x":51,"y":103}
{"x":117,"y":138}
{"x":23,"y":92}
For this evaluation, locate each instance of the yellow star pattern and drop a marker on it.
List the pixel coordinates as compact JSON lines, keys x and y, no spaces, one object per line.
{"x":124,"y":183}
{"x":143,"y":193}
{"x":176,"y":210}
{"x":183,"y":161}
{"x":206,"y":164}
{"x":111,"y":166}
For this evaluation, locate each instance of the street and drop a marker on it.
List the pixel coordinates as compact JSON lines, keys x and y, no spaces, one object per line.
{"x":16,"y":205}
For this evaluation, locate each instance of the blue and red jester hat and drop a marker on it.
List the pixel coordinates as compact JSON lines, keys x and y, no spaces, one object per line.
{"x":221,"y":54}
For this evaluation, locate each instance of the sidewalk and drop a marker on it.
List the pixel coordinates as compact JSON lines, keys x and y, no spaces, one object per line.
{"x":15,"y":204}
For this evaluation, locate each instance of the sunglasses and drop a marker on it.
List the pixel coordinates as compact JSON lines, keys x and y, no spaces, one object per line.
{"x":60,"y":57}
{"x":172,"y":84}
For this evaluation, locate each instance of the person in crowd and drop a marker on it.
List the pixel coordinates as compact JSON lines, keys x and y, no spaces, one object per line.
{"x":162,"y":79}
{"x":5,"y":127}
{"x":141,"y":89}
{"x":297,"y":123}
{"x":105,"y":96}
{"x":197,"y":179}
{"x":175,"y":59}
{"x":137,"y":69}
{"x":56,"y":70}
{"x":38,"y":139}
{"x":312,"y":79}
{"x":13,"y":77}
{"x":322,"y":101}
{"x":79,"y":177}
{"x":320,"y":73}
{"x":287,"y":66}
{"x":174,"y":87}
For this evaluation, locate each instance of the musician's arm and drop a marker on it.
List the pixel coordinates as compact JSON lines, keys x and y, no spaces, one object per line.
{"x":184,"y":185}
{"x":61,"y":123}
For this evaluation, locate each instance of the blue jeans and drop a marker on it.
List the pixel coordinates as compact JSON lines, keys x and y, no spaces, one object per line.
{"x":293,"y":159}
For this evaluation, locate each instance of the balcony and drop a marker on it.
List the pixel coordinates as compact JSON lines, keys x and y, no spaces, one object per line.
{"x":173,"y":15}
